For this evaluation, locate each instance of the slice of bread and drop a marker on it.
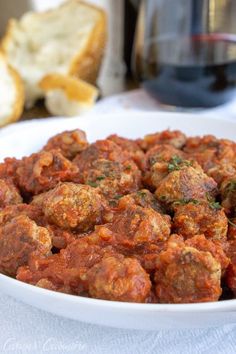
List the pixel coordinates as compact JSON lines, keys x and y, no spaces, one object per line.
{"x":69,"y":40}
{"x":67,"y":95}
{"x":12,"y":93}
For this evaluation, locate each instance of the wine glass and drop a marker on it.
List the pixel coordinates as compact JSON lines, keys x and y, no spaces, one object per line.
{"x":185,"y":51}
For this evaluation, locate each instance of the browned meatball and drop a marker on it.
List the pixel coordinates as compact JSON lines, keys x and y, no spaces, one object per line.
{"x":143,"y":198}
{"x":220,"y":171}
{"x":9,"y":194}
{"x":200,"y":218}
{"x":8,"y":168}
{"x":70,"y":143}
{"x":208,"y":150}
{"x":52,"y":273}
{"x":112,"y":178}
{"x":228,"y":195}
{"x":130,"y":146}
{"x":186,"y":275}
{"x":32,"y":211}
{"x":119,"y":279}
{"x":161,"y":160}
{"x":67,"y":270}
{"x":175,"y":138}
{"x":18,"y":239}
{"x":162,"y":153}
{"x":184,"y":184}
{"x":73,"y":206}
{"x":135,"y":225}
{"x":101,"y":149}
{"x":41,"y":172}
{"x":215,"y":247}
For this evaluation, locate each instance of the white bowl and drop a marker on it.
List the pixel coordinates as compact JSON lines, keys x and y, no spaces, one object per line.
{"x":26,"y":137}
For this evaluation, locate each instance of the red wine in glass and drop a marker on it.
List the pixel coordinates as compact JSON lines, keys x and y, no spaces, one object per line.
{"x":196,"y":71}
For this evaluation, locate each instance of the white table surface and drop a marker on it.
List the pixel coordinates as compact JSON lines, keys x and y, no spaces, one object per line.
{"x":24,"y":329}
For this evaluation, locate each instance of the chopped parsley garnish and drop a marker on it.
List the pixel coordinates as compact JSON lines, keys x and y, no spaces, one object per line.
{"x":92,"y":184}
{"x":114,"y":200}
{"x":152,"y":160}
{"x":176,"y":163}
{"x":186,"y":201}
{"x":100,"y":178}
{"x":215,"y":205}
{"x":118,"y":196}
{"x":128,"y":168}
{"x":113,"y":203}
{"x":162,"y":197}
{"x":212,"y":203}
{"x":141,"y":194}
{"x":209,"y":198}
{"x":231,"y":186}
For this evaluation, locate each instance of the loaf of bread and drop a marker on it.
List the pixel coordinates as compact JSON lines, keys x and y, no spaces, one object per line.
{"x":68,"y":40}
{"x":12,"y":93}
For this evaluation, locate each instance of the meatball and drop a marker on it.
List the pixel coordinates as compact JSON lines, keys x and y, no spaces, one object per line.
{"x":162,"y":153}
{"x":208,"y":150}
{"x":101,"y":149}
{"x":221,"y":171}
{"x":18,"y":239}
{"x":8,"y":168}
{"x":70,"y":143}
{"x":73,"y":206}
{"x":143,"y":198}
{"x":112,"y":178}
{"x":32,"y":211}
{"x":228,"y":195}
{"x":175,"y":138}
{"x":158,"y":160}
{"x":67,"y":270}
{"x":215,"y":247}
{"x":104,"y":165}
{"x":196,"y":218}
{"x":119,"y":279}
{"x":186,"y":275}
{"x":132,"y":147}
{"x":184,"y":184}
{"x":52,"y":273}
{"x":9,"y":194}
{"x":42,"y":171}
{"x":136,"y":225}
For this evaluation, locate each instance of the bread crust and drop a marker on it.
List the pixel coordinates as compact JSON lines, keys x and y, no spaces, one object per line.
{"x":20,"y":96}
{"x":86,"y":64}
{"x":74,"y":88}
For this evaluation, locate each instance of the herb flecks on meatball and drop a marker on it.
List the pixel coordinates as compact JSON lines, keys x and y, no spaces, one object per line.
{"x":73,"y":206}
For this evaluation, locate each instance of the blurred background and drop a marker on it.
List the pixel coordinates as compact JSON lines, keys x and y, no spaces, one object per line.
{"x":182,"y":52}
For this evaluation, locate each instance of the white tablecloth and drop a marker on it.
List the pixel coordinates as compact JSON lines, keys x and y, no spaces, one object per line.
{"x":24,"y":329}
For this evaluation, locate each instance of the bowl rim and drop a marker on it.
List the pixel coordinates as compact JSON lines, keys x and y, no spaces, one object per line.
{"x":224,"y":305}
